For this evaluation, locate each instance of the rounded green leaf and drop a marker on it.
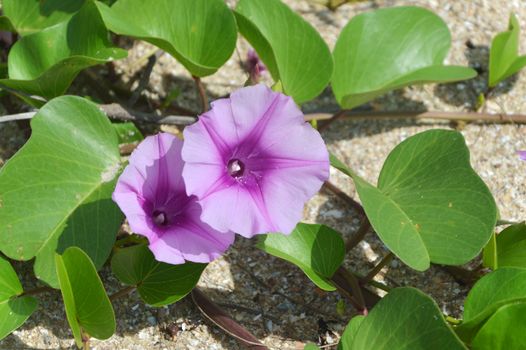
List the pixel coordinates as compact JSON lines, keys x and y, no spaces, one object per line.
{"x":29,"y":16}
{"x":504,"y":330}
{"x":14,"y":310}
{"x":158,"y":283}
{"x":290,"y":47}
{"x":9,"y":283}
{"x":350,"y":331}
{"x":405,"y":319}
{"x":201,"y":34}
{"x":504,"y":286}
{"x":511,"y":246}
{"x":317,"y":250}
{"x":390,"y":48}
{"x":55,"y":192}
{"x":504,"y":59}
{"x":88,"y":308}
{"x":45,"y":63}
{"x":430,"y":205}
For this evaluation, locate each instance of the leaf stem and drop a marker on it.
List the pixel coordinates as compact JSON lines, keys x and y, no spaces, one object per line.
{"x":386,"y":260}
{"x":121,"y":293}
{"x":37,"y":290}
{"x":359,"y":235}
{"x":202,"y":93}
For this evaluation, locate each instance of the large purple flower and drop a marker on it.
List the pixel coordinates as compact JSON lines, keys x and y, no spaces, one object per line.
{"x":253,"y":162}
{"x":522,"y":154}
{"x":152,"y":195}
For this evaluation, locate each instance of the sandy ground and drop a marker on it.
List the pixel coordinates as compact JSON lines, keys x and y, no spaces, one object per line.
{"x":273,"y":299}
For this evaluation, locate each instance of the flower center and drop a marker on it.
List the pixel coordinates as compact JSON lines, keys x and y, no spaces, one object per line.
{"x":159,"y":218}
{"x":236,"y":168}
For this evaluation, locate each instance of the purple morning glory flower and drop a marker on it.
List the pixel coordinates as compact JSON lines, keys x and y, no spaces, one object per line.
{"x":522,"y":154}
{"x":151,"y":193}
{"x":253,"y":162}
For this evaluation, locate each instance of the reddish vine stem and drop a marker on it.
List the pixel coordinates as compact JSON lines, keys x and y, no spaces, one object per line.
{"x":202,"y":93}
{"x":359,"y":235}
{"x":344,"y":196}
{"x":386,"y":260}
{"x":38,"y":290}
{"x":499,"y":118}
{"x":121,"y":293}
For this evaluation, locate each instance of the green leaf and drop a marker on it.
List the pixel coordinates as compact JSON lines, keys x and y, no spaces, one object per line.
{"x":88,"y":308}
{"x":290,"y":47}
{"x":45,"y":63}
{"x":201,"y":34}
{"x":405,"y":319}
{"x":127,"y":132}
{"x":489,"y":254}
{"x":158,"y":283}
{"x":317,"y":250}
{"x":311,"y":346}
{"x":499,"y":288}
{"x":504,"y":330}
{"x":14,"y":311}
{"x":430,"y":205}
{"x":511,"y":246}
{"x":350,"y":331}
{"x":9,"y":283}
{"x":56,"y":191}
{"x":504,"y":59}
{"x":390,"y":48}
{"x":29,"y":16}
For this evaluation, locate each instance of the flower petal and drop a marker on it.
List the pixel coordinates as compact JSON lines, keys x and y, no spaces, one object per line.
{"x":191,"y":240}
{"x":522,"y":154}
{"x":285,"y":162}
{"x":158,"y":161}
{"x":212,"y":137}
{"x":235,"y":209}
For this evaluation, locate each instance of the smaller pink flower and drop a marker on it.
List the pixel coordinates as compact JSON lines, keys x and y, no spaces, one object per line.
{"x":253,"y":162}
{"x":152,"y":194}
{"x":522,"y":154}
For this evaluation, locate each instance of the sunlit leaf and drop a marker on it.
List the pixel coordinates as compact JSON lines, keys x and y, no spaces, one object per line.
{"x":29,"y":16}
{"x":430,"y":205}
{"x":290,"y":47}
{"x":505,"y":286}
{"x":56,"y":191}
{"x":504,"y":59}
{"x":350,"y":332}
{"x":88,"y":308}
{"x":317,"y":250}
{"x":14,"y":309}
{"x":390,"y":48}
{"x":201,"y":34}
{"x":504,"y":330}
{"x":45,"y":63}
{"x":405,"y":319}
{"x":511,"y":246}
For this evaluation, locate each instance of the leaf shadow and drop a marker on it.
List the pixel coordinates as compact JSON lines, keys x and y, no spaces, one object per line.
{"x":349,"y":129}
{"x":466,"y":93}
